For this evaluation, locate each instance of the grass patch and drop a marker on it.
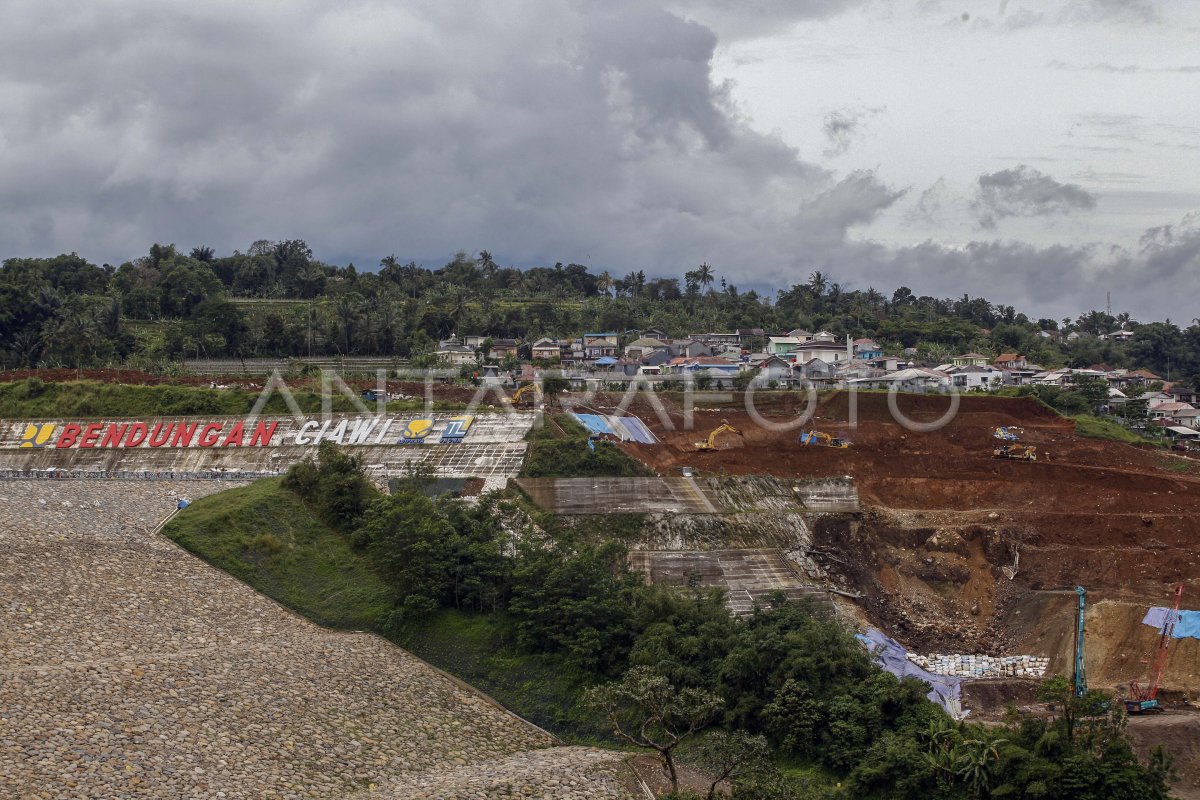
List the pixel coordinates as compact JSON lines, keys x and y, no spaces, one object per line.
{"x":265,"y":536}
{"x":35,"y":398}
{"x":1097,"y":428}
{"x":477,"y":648}
{"x":565,"y":454}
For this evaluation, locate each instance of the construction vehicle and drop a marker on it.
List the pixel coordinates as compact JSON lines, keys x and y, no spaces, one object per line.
{"x":822,"y":440}
{"x":711,"y":442}
{"x":526,"y":389}
{"x":1080,"y":678}
{"x":1017,"y":452}
{"x":1145,"y":699}
{"x":1009,"y":433}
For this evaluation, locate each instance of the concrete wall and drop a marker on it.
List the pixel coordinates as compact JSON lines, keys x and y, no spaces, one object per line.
{"x":493,"y":446}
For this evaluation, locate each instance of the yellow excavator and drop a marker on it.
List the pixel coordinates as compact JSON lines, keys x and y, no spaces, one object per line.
{"x":1017,"y":452}
{"x":711,"y":442}
{"x":526,"y":389}
{"x":822,"y":440}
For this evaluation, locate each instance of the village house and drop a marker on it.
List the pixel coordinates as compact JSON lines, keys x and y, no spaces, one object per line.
{"x":970,"y":360}
{"x":1172,"y":412}
{"x":644,"y":345}
{"x":503,"y":348}
{"x":783,"y":345}
{"x":771,"y":368}
{"x":828,"y":350}
{"x":867,"y":350}
{"x":452,"y":353}
{"x":1181,"y":392}
{"x":1187,"y":417}
{"x":912,"y":379}
{"x":817,"y":371}
{"x":1011,"y":361}
{"x":975,"y":378}
{"x":690,"y":348}
{"x":599,"y":345}
{"x":545,"y":349}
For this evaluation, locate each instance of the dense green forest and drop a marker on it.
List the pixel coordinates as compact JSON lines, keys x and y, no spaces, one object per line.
{"x":550,"y":620}
{"x":277,"y":300}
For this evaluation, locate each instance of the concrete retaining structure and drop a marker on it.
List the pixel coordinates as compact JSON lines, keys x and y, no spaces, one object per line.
{"x":978,"y":666}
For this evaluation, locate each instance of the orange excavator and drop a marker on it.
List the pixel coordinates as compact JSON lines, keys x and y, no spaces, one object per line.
{"x":1145,"y":699}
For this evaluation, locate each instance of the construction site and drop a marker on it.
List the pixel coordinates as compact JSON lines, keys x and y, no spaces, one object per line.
{"x":968,"y":541}
{"x":961,"y":546}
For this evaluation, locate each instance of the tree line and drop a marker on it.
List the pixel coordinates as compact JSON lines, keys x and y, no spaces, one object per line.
{"x":670,"y":670}
{"x":277,"y":300}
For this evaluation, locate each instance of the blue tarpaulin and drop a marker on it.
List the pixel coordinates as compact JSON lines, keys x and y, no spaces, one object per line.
{"x":595,"y":424}
{"x":945,"y":690}
{"x":1187,"y":625}
{"x":627,"y":429}
{"x":605,"y":361}
{"x":638,"y":431}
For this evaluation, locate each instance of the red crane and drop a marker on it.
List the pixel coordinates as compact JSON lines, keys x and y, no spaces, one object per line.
{"x":1147,"y":699}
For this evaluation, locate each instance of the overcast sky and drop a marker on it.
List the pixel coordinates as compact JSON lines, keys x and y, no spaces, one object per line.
{"x":1037,"y":153}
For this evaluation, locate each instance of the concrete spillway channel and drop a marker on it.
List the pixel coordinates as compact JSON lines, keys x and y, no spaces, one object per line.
{"x":748,"y":535}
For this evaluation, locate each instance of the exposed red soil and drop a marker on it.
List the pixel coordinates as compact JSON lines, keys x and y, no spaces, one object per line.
{"x":943,"y":517}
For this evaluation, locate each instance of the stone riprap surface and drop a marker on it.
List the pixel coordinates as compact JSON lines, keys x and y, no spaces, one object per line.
{"x":564,"y":772}
{"x":129,"y":668}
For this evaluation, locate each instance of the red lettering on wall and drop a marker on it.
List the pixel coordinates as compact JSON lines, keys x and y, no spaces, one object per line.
{"x":210,"y":434}
{"x":158,"y":441}
{"x":137,"y":434}
{"x":90,"y":434}
{"x":235,"y":436}
{"x":263,"y":434}
{"x":70,"y":433}
{"x":112,"y":437}
{"x":184,"y":434}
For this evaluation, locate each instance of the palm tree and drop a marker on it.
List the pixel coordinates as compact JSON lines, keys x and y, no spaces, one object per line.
{"x":704,"y":274}
{"x":604,"y":283}
{"x":817,"y":282}
{"x":349,"y":311}
{"x":486,"y":263}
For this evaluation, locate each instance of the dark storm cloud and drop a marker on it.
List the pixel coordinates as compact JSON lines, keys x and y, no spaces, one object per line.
{"x":1052,"y":281}
{"x":539,"y":131}
{"x":1025,"y":192}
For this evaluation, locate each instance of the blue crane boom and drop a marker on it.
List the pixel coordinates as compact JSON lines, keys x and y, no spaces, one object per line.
{"x":1080,"y":677}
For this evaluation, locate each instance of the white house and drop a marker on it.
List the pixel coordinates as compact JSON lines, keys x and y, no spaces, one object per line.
{"x":913,"y":379}
{"x":455,"y":355}
{"x":976,"y":378}
{"x":831,"y":352}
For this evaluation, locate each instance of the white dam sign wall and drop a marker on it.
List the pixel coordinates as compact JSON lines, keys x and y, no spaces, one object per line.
{"x":452,"y":444}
